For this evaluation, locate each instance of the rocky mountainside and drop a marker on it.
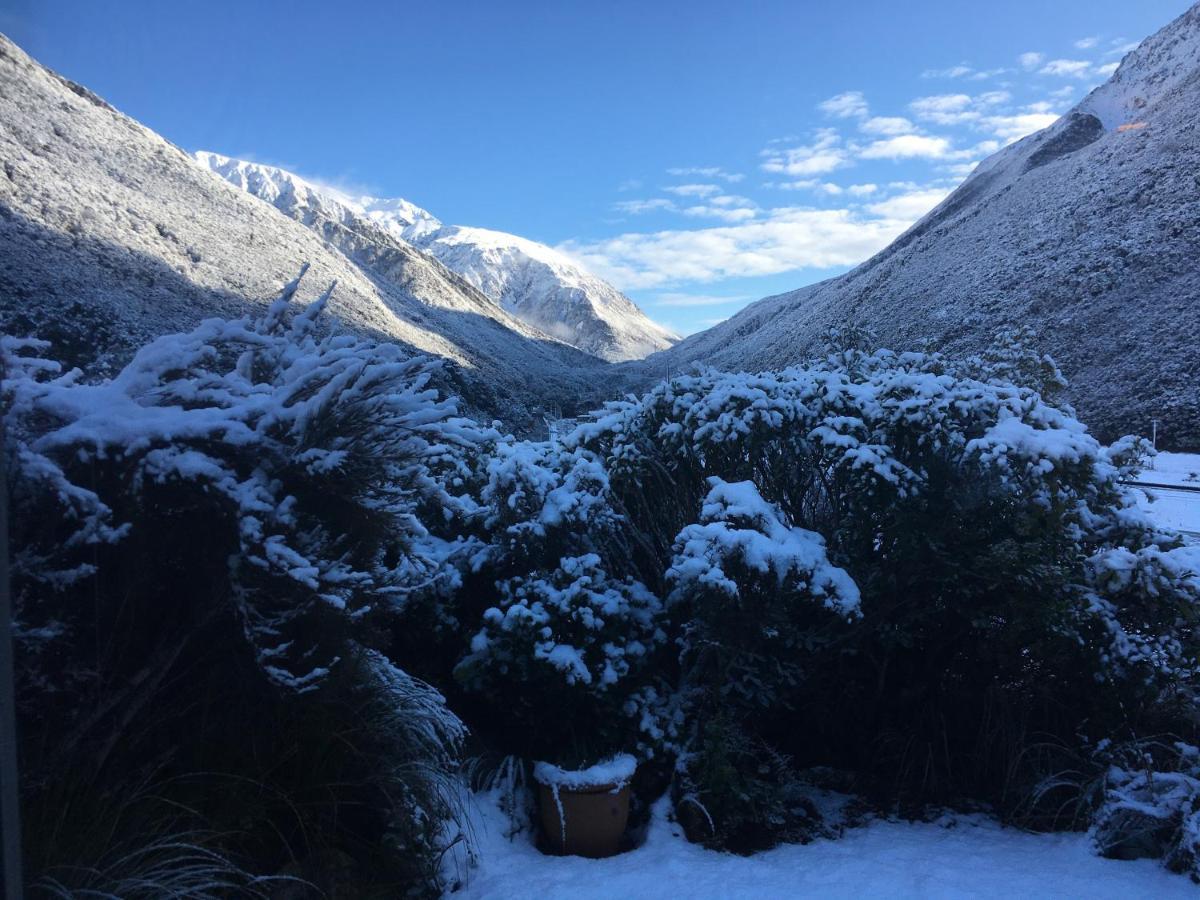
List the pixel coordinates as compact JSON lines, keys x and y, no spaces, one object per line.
{"x":1088,"y":231}
{"x":529,"y":280}
{"x":111,"y":235}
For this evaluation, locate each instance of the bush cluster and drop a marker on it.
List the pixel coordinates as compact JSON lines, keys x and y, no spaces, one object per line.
{"x":272,"y":558}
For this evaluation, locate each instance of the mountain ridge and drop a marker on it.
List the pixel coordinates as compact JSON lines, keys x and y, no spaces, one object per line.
{"x":1088,"y":231}
{"x":113,"y":236}
{"x":529,"y":280}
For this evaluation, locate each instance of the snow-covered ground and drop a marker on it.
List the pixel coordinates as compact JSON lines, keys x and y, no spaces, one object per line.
{"x":956,"y":857}
{"x":1175,"y":509}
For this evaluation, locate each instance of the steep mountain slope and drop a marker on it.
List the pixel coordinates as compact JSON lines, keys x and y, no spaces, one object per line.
{"x":529,"y":280}
{"x":110,"y":235}
{"x":1089,"y":231}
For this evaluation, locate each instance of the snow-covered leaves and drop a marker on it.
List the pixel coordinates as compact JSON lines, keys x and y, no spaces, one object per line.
{"x":319,"y":453}
{"x":740,"y":531}
{"x":573,"y":641}
{"x":577,"y":621}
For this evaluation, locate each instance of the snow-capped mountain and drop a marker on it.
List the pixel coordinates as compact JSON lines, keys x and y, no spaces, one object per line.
{"x":530,"y":280}
{"x":111,"y":235}
{"x":1089,"y":231}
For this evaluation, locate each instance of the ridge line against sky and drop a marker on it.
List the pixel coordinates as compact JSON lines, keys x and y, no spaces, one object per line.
{"x":697,"y":157}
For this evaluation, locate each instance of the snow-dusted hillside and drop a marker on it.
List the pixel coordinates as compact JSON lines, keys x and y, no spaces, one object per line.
{"x":110,"y":235}
{"x":532,"y":281}
{"x":1089,"y":231}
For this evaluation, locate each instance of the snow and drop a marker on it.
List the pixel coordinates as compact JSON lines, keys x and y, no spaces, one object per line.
{"x":1178,"y":510}
{"x":533,"y":282}
{"x":965,"y":856}
{"x":615,"y":771}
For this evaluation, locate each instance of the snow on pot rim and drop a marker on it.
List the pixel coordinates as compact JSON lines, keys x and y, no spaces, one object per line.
{"x":613,"y":773}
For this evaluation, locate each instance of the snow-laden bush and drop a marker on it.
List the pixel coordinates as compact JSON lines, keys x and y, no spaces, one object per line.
{"x":318,"y":455}
{"x":228,"y":520}
{"x":563,"y":653}
{"x":1151,"y":805}
{"x":752,"y":595}
{"x":539,"y":500}
{"x":984,"y":528}
{"x":752,"y":598}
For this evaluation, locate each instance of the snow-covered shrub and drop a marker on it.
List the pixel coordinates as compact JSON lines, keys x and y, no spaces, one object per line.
{"x":752,"y":594}
{"x":1151,"y":805}
{"x":540,"y":501}
{"x":561,"y":656}
{"x":982,"y":525}
{"x":752,"y":598}
{"x":1013,"y":358}
{"x":223,"y":521}
{"x":316,"y":455}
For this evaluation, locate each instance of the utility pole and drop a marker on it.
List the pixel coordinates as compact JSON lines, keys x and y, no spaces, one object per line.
{"x":1154,"y":442}
{"x":10,"y":787}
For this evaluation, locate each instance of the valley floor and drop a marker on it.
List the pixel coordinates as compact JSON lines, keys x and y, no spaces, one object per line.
{"x":964,"y":856}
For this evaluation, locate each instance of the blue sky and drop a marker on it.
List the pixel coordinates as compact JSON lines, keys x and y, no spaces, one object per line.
{"x":700,"y":155}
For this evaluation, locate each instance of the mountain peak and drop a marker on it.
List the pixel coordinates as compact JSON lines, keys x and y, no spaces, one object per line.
{"x":531,"y":281}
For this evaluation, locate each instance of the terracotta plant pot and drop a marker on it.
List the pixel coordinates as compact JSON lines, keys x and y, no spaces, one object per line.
{"x":584,"y":821}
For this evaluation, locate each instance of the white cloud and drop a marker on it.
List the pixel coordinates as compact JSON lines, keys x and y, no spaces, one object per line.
{"x":677,"y":299}
{"x":629,"y":184}
{"x":909,"y":206}
{"x":907,"y":146}
{"x":862,"y":190}
{"x":1107,"y":69}
{"x":693,"y":190}
{"x":888,"y":125}
{"x":724,"y":213}
{"x":731,"y":200}
{"x":845,"y":105}
{"x":810,"y":184}
{"x":1067,"y":68}
{"x":992,"y":98}
{"x":944,"y":109}
{"x":706,"y":172}
{"x":823,"y":155}
{"x":786,"y":239}
{"x":960,"y":171}
{"x":959,"y":71}
{"x":1087,"y":43}
{"x":1120,"y":47}
{"x":1011,"y":128}
{"x":1063,"y":92}
{"x":1030,"y":60}
{"x":637,"y":207}
{"x":983,"y":148}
